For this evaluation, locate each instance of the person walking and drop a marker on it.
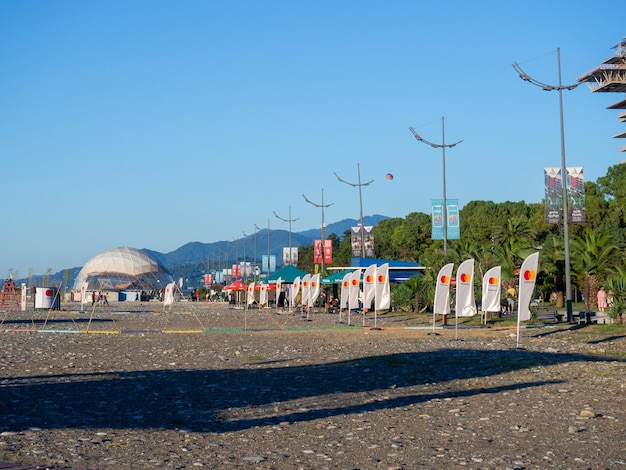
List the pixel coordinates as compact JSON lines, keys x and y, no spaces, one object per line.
{"x":602,"y":303}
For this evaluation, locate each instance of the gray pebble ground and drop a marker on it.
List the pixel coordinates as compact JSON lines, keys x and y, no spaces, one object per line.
{"x":140,"y":389}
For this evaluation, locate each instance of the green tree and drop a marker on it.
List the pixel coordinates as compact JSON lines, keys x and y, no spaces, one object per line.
{"x":592,"y":261}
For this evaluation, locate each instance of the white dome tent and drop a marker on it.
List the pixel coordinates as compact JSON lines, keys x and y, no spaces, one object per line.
{"x":123,"y":268}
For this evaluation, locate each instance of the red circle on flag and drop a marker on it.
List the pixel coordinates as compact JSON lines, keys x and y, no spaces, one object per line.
{"x":493,"y":281}
{"x":444,"y":279}
{"x":48,"y":293}
{"x":529,"y":275}
{"x":464,"y":277}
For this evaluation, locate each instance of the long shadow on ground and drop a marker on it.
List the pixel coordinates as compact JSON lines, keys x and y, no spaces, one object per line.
{"x":207,"y":400}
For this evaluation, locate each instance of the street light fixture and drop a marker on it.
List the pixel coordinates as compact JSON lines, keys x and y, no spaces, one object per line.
{"x":288,"y":220}
{"x":443,"y":147}
{"x":560,"y":87}
{"x":358,"y":185}
{"x":323,"y":224}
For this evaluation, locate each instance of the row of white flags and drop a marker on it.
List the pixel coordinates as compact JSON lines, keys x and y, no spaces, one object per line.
{"x":465,"y":303}
{"x":310,"y":285}
{"x":375,"y":288}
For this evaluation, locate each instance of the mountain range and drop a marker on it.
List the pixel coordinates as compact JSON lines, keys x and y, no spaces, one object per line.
{"x":193,"y":259}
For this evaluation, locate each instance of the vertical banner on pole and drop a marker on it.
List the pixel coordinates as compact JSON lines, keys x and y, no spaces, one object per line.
{"x":576,"y":195}
{"x":454,"y":227}
{"x":553,"y":195}
{"x":437,"y":219}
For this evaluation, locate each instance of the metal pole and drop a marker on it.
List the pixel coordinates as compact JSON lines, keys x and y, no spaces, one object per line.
{"x":443,"y":147}
{"x":568,"y":276}
{"x":288,"y":220}
{"x":445,"y":204}
{"x":323,"y":224}
{"x":359,"y":185}
{"x":565,"y":206}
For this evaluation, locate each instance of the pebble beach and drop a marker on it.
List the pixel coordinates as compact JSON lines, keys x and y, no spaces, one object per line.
{"x":140,"y":386}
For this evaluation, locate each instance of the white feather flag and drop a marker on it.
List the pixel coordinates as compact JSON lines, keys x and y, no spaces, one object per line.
{"x":168,"y":298}
{"x":355,"y":290}
{"x":527,"y":279}
{"x":306,"y":289}
{"x":293,"y":292}
{"x":345,"y":291}
{"x":491,"y":290}
{"x":465,"y":303}
{"x":250,"y":298}
{"x":263,"y":295}
{"x":442,"y":290}
{"x":369,"y":287}
{"x":383,"y":292}
{"x":315,"y":289}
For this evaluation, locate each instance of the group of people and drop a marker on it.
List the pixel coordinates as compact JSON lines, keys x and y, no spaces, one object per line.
{"x":101,"y":298}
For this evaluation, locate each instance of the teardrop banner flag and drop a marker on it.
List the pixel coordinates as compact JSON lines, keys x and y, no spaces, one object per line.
{"x":250,"y":297}
{"x":527,"y":279}
{"x":442,"y":290}
{"x":369,"y":287}
{"x":491,"y":290}
{"x":315,"y":289}
{"x":293,"y":293}
{"x":355,"y":290}
{"x":465,"y":303}
{"x":306,"y":289}
{"x":263,"y":295}
{"x":168,"y":298}
{"x":345,"y":291}
{"x":383,"y":293}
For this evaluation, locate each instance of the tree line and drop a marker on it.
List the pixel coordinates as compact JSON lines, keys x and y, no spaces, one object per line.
{"x":504,"y":234}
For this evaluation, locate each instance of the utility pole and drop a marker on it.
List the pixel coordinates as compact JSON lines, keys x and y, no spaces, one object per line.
{"x":323,"y":224}
{"x":443,"y":147}
{"x":560,"y":87}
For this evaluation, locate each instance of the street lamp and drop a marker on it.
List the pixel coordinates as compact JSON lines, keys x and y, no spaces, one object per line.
{"x":560,"y":87}
{"x":443,"y":147}
{"x":288,"y":220}
{"x":323,"y":224}
{"x":358,"y":185}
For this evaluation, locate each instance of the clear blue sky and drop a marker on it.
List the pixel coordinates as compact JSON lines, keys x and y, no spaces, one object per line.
{"x":153,"y":123}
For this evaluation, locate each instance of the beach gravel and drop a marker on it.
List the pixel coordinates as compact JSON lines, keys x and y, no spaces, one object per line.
{"x":216,"y":387}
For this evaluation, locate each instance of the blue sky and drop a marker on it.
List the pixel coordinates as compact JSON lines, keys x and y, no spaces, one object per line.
{"x":156,"y":123}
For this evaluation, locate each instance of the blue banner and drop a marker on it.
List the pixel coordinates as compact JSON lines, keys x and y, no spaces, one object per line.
{"x":453,"y":225}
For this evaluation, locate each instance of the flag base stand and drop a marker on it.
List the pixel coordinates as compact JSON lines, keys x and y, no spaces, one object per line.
{"x":432,"y":333}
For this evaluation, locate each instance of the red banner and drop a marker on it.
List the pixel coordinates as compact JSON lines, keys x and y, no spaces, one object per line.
{"x":327,"y":252}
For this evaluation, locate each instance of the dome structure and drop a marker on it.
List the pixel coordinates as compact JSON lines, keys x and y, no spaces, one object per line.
{"x":123,"y":268}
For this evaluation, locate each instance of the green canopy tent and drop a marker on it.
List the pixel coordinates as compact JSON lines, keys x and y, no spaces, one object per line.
{"x":288,"y":274}
{"x":336,"y":277}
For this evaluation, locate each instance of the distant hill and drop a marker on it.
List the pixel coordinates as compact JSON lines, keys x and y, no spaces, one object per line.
{"x":195,"y":258}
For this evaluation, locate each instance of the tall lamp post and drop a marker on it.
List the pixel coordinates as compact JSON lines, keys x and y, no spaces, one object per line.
{"x":560,"y":87}
{"x":288,"y":220}
{"x":358,"y":185}
{"x":443,"y":147}
{"x":323,"y":224}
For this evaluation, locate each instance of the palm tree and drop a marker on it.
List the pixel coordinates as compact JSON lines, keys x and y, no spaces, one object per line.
{"x":593,"y":258}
